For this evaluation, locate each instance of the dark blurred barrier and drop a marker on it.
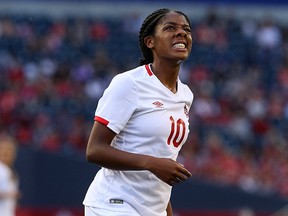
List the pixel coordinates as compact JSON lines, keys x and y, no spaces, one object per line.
{"x":207,"y":199}
{"x":51,"y":180}
{"x":55,"y":185}
{"x":50,"y":212}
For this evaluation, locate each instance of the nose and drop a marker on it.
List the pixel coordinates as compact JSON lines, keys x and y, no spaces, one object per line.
{"x":181,"y":32}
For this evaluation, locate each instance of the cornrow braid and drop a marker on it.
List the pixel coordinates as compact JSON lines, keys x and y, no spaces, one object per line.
{"x":148,"y":28}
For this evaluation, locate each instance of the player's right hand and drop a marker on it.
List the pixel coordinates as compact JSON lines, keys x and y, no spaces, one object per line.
{"x":168,"y":170}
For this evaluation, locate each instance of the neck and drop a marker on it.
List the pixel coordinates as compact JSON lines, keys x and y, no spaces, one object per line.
{"x":167,"y":74}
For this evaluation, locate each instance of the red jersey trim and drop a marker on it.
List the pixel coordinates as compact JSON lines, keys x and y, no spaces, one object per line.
{"x":148,"y":70}
{"x":101,"y":120}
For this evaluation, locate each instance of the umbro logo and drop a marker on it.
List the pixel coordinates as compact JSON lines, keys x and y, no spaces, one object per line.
{"x":116,"y":201}
{"x":158,"y":104}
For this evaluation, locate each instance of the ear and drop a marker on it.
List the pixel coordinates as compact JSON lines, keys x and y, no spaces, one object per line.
{"x":149,"y":41}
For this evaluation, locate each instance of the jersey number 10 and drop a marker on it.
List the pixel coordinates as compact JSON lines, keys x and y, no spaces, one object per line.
{"x":176,"y":128}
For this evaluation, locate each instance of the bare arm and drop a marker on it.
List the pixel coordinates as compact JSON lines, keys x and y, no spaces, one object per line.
{"x":100,"y":152}
{"x":169,"y":209}
{"x":10,"y":194}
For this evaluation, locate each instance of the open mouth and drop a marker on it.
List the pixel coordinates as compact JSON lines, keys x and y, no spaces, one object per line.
{"x":179,"y":45}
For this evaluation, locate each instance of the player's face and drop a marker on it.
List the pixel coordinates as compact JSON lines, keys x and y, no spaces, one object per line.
{"x":7,"y":153}
{"x":172,"y":39}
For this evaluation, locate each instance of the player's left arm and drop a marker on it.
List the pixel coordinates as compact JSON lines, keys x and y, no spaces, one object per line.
{"x":169,"y":209}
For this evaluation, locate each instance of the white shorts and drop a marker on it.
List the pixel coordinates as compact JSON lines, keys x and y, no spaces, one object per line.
{"x":92,"y":211}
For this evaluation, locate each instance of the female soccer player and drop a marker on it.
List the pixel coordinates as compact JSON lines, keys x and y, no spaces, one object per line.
{"x":9,"y":192}
{"x":141,"y":123}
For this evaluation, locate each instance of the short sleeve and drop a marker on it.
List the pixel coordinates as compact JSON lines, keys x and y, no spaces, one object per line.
{"x":118,"y":103}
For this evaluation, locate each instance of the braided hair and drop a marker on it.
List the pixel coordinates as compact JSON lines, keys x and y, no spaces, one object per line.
{"x":148,"y":28}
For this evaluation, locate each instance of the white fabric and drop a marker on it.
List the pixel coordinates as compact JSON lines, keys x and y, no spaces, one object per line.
{"x":91,"y":211}
{"x":7,"y":185}
{"x":142,"y":111}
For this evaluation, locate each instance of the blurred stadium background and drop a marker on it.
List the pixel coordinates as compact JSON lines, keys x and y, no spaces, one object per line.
{"x":56,"y":58}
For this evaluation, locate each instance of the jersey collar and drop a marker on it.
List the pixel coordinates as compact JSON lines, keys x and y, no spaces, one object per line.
{"x":149,"y":71}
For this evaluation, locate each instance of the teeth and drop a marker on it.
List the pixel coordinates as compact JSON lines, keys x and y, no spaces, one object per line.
{"x":180,"y":45}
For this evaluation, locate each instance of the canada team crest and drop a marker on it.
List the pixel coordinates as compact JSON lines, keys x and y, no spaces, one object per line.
{"x":186,"y":111}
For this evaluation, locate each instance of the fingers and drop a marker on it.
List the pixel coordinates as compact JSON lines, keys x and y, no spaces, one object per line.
{"x":174,"y":181}
{"x":171,"y":182}
{"x":172,"y":172}
{"x":183,"y":172}
{"x":182,"y":175}
{"x":177,"y":179}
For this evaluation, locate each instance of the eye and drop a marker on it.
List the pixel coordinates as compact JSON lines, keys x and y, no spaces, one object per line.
{"x":187,"y":29}
{"x":170,"y":27}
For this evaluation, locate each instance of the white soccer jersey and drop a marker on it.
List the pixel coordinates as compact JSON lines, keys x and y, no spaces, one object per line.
{"x":7,"y":185}
{"x":148,"y":119}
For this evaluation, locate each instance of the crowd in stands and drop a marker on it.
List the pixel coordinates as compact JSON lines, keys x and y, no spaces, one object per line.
{"x":53,"y":71}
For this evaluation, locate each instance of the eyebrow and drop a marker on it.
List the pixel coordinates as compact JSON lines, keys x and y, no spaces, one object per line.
{"x":173,"y":23}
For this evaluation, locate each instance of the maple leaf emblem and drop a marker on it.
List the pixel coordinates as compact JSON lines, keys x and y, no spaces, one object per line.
{"x":186,"y":111}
